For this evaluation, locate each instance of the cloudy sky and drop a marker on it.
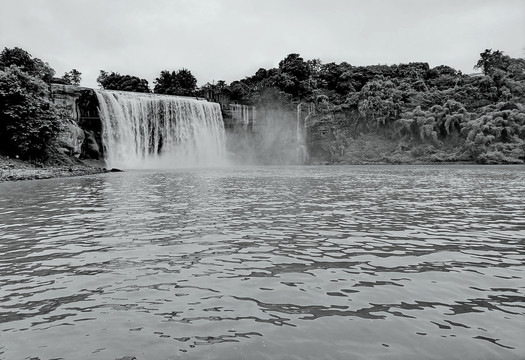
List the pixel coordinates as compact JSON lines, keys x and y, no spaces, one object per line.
{"x":231,"y":39}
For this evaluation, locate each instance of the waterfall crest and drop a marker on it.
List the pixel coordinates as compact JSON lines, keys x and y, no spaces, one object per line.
{"x":160,"y":131}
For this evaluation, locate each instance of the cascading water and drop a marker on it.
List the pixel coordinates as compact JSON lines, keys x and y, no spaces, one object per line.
{"x":302,"y":151}
{"x":241,"y":114}
{"x":145,"y":130}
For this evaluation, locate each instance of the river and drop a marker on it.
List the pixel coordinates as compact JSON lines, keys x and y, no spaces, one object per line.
{"x":331,"y":262}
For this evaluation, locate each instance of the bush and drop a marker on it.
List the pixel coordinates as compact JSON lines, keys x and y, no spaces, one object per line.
{"x":496,"y":157}
{"x":28,"y":120}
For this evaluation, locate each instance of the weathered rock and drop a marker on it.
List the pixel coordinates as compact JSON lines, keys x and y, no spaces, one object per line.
{"x":71,"y":138}
{"x":81,"y":135}
{"x":91,"y":148}
{"x":65,"y":98}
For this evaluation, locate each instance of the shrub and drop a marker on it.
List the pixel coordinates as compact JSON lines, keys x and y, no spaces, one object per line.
{"x":28,"y":120}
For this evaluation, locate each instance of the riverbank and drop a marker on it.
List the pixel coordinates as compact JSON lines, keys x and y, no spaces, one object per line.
{"x":14,"y":170}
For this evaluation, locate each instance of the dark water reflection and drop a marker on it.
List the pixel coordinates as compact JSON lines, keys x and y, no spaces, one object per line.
{"x":266,"y":263}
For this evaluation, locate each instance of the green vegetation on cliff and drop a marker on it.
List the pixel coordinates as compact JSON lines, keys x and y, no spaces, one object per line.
{"x":436,"y":114}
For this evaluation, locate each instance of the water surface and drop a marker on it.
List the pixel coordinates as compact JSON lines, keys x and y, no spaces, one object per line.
{"x":347,"y":262}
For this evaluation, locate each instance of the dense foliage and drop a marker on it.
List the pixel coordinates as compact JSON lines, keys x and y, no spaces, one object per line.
{"x":28,"y":120}
{"x":25,"y":62}
{"x":72,"y":77}
{"x":180,"y":82}
{"x":480,"y":117}
{"x":116,"y":81}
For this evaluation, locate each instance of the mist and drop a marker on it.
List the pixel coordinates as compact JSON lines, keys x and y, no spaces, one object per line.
{"x":267,"y":136}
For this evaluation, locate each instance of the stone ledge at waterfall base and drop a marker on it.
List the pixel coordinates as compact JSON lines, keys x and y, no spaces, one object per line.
{"x":14,"y":169}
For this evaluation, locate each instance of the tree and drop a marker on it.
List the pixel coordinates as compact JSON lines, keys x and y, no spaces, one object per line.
{"x":337,"y":79}
{"x":180,"y":82}
{"x":26,"y":63}
{"x":497,"y":134}
{"x":412,"y":71}
{"x":490,"y":61}
{"x":72,"y":77}
{"x":516,"y":69}
{"x":260,"y":75}
{"x":115,"y":81}
{"x":294,"y":76}
{"x":380,"y":102}
{"x":443,"y":77}
{"x":28,"y":120}
{"x":238,"y":91}
{"x":295,"y":66}
{"x":418,"y":124}
{"x":329,"y":75}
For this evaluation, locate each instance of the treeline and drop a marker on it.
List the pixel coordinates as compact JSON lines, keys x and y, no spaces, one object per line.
{"x":181,"y":82}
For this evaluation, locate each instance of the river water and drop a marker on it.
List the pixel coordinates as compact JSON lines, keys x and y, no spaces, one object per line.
{"x":342,"y":262}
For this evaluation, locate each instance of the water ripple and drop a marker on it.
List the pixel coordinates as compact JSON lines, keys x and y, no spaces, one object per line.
{"x":265,"y":263}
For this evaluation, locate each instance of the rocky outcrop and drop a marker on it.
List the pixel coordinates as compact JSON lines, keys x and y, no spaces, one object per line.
{"x":81,"y":130}
{"x":322,"y":140}
{"x":71,"y":139}
{"x":91,"y":147}
{"x":65,"y":98}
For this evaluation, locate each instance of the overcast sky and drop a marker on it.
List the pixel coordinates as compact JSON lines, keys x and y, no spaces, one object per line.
{"x":231,"y":39}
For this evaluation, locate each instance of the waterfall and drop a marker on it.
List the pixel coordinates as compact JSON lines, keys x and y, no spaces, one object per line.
{"x":144,"y":130}
{"x":241,"y":114}
{"x":301,"y":131}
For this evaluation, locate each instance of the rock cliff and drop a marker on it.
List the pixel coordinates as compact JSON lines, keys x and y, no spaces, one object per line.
{"x":81,"y":131}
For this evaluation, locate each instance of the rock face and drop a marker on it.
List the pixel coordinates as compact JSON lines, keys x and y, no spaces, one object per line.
{"x":65,"y":98}
{"x":91,"y":146}
{"x":71,"y":138}
{"x":81,"y":131}
{"x":329,"y":133}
